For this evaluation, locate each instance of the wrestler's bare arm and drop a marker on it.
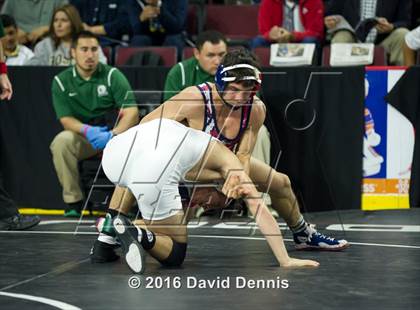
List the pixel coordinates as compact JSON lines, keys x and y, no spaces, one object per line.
{"x":181,"y":107}
{"x":270,"y":229}
{"x":247,"y":143}
{"x":238,"y":184}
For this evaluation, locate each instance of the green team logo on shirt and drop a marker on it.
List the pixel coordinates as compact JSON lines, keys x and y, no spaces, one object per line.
{"x":102,"y":91}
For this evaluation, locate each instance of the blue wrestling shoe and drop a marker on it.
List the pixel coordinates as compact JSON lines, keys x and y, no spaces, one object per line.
{"x":311,"y":239}
{"x":128,"y":234}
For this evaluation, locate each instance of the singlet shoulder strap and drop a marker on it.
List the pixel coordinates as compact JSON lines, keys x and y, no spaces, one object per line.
{"x":205,"y":90}
{"x":246,"y":115}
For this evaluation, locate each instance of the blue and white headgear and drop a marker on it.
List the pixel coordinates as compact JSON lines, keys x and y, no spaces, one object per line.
{"x":222,"y":77}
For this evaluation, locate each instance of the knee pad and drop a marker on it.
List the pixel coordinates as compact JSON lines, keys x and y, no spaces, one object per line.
{"x":177,"y":255}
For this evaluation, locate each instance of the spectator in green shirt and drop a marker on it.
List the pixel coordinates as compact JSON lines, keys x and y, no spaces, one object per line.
{"x":82,"y":95}
{"x":210,"y":48}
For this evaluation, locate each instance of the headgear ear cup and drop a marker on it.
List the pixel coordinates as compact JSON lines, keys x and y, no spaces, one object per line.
{"x":218,"y":78}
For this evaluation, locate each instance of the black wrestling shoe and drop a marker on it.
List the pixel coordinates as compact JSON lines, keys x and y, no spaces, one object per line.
{"x":102,"y":252}
{"x":19,"y":222}
{"x":127,"y":234}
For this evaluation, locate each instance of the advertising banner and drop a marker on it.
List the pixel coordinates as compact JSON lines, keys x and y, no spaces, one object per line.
{"x":388,"y":145}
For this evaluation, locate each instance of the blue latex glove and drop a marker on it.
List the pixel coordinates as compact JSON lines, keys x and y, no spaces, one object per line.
{"x":97,"y":136}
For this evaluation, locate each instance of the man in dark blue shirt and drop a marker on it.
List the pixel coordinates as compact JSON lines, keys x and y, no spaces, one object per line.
{"x":156,"y":22}
{"x":105,"y":18}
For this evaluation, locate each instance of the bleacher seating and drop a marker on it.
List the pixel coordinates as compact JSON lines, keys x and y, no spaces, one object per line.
{"x":196,"y":17}
{"x":108,"y":52}
{"x":187,"y":52}
{"x":263,"y":54}
{"x":239,"y":23}
{"x":167,"y":53}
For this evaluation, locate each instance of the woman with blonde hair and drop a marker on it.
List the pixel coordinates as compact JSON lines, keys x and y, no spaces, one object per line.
{"x":54,"y":50}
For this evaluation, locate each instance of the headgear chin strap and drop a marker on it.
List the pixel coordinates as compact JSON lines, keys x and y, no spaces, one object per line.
{"x":222,"y":78}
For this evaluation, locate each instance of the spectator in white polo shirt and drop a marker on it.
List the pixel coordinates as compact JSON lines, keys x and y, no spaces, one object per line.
{"x":410,"y":46}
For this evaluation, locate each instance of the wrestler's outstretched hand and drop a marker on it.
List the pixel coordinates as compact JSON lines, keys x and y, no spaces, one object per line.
{"x":294,"y":262}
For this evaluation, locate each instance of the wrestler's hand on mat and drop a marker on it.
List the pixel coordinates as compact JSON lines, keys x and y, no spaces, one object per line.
{"x":97,"y":136}
{"x":294,"y":262}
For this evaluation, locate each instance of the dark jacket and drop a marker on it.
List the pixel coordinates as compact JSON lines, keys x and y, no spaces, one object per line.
{"x":173,"y":15}
{"x":110,"y":13}
{"x":396,"y":12}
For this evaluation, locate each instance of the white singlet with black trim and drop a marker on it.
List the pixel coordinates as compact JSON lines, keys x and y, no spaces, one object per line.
{"x":151,"y":159}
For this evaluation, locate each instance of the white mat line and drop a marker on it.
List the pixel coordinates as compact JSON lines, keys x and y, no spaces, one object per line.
{"x":290,"y":240}
{"x":43,"y":300}
{"x":203,"y":236}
